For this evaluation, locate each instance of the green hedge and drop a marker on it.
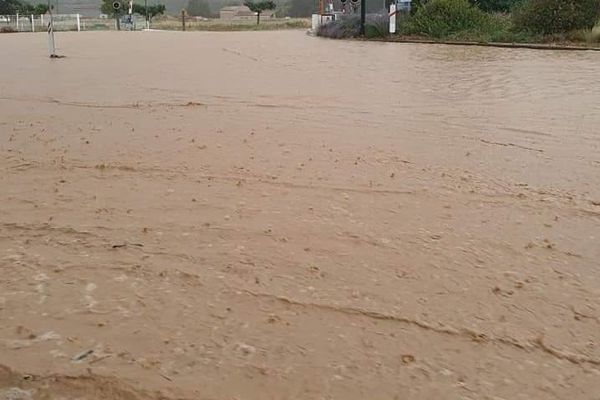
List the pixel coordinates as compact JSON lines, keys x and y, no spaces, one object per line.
{"x":495,"y":5}
{"x":443,"y":18}
{"x":556,"y":16}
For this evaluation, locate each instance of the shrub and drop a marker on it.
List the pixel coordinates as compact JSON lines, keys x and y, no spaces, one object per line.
{"x":556,"y":16}
{"x":442,"y":18}
{"x":589,"y":36}
{"x":495,"y":5}
{"x":495,"y":29}
{"x":593,"y":36}
{"x":377,"y":25}
{"x":345,"y":27}
{"x":348,"y":26}
{"x":416,"y":4}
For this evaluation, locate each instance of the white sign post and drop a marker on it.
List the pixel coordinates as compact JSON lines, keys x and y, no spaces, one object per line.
{"x":392,"y":15}
{"x":51,"y":45}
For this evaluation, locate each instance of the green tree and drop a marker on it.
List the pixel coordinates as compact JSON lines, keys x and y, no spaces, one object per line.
{"x":259,"y":6}
{"x":198,"y":8}
{"x":106,"y":7}
{"x":40,"y":9}
{"x":153,"y":11}
{"x":8,"y":7}
{"x":29,"y":9}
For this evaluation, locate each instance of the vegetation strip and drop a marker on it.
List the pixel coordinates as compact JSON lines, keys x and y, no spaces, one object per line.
{"x":533,"y":46}
{"x":533,"y":24}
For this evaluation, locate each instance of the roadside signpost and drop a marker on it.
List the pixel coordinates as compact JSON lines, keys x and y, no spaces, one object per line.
{"x":51,"y":43}
{"x":363,"y":15}
{"x":392,"y":16}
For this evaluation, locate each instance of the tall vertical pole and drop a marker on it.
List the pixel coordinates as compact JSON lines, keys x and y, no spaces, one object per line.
{"x":17,"y":22}
{"x":78,"y":23}
{"x":51,"y":45}
{"x":392,"y":15}
{"x":32,"y":23}
{"x":146,"y":12}
{"x":130,"y":16}
{"x":363,"y":14}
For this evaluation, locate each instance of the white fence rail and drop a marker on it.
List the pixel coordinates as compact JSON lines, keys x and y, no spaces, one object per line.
{"x":102,"y":24}
{"x":39,"y":23}
{"x":65,"y":22}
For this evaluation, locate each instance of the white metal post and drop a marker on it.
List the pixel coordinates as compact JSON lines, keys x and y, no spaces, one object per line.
{"x":392,"y":18}
{"x":17,"y":22}
{"x":78,"y":23}
{"x":32,"y":24}
{"x":42,"y":19}
{"x":51,"y":45}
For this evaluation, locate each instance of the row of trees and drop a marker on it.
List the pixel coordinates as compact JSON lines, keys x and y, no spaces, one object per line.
{"x":202,"y":8}
{"x":195,"y":8}
{"x":210,"y":8}
{"x":485,"y":5}
{"x":106,"y":7}
{"x":12,"y":7}
{"x":304,"y":8}
{"x":527,"y":18}
{"x":291,"y":8}
{"x":484,"y":21}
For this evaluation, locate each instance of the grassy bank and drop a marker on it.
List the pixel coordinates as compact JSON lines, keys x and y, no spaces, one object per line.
{"x":461,"y":21}
{"x":499,"y":28}
{"x":225,"y":26}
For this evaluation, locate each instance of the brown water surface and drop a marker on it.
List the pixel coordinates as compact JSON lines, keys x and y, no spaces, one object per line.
{"x":267,"y":215}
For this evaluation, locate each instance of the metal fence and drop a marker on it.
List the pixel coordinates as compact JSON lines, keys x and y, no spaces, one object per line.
{"x":39,"y":23}
{"x":103,"y":24}
{"x":66,"y":22}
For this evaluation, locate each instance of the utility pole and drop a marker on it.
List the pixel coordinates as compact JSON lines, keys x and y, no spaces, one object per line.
{"x":363,"y":14}
{"x":147,"y":19}
{"x":116,"y":7}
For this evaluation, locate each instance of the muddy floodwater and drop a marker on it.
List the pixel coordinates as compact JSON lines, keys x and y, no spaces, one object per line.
{"x":268,"y":215}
